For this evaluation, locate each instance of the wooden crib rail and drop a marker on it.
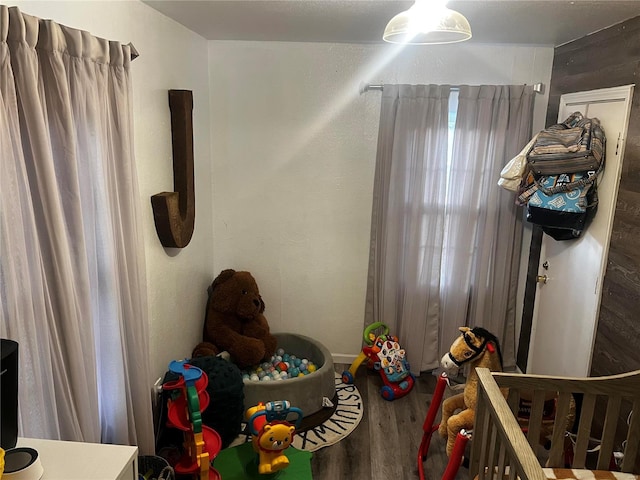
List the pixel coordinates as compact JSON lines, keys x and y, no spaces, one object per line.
{"x":499,"y":447}
{"x":610,"y":390}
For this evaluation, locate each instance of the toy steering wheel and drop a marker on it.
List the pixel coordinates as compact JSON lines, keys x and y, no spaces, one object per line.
{"x":278,"y":410}
{"x":372,"y":327}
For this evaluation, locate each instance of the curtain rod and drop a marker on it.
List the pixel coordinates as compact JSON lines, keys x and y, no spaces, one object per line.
{"x":365,"y":87}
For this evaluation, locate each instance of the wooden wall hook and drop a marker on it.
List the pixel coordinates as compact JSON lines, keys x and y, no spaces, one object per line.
{"x":174,"y":212}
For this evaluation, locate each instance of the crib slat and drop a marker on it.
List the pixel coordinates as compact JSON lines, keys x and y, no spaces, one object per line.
{"x":479,"y":438}
{"x":513,"y":471}
{"x":535,"y":418}
{"x":487,"y":428}
{"x":633,"y":438}
{"x":513,"y":400}
{"x":584,"y":429}
{"x":492,"y":450}
{"x":563,"y":406}
{"x":609,"y":432}
{"x":502,"y":453}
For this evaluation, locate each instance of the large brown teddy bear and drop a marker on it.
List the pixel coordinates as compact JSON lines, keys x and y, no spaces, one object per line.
{"x":235,"y":322}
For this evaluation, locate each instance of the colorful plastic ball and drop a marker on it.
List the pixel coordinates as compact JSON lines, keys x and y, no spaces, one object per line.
{"x":281,"y":367}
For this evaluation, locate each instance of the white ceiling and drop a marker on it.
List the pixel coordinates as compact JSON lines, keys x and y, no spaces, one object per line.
{"x":537,"y":22}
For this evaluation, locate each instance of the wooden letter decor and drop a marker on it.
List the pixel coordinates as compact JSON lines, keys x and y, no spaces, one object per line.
{"x":174,"y":212}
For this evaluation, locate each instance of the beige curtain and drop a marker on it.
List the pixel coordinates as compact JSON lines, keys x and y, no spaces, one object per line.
{"x":72,"y":268}
{"x":445,"y":239}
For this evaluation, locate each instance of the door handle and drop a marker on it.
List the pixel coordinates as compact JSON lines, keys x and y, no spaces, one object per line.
{"x":541,"y":278}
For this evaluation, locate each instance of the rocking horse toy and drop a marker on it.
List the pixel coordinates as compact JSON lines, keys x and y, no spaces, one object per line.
{"x":475,"y":347}
{"x":478,"y":348}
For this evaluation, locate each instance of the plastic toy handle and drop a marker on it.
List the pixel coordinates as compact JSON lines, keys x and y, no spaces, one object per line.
{"x":298,"y":412}
{"x":372,"y":327}
{"x":250,"y":422}
{"x":278,"y":410}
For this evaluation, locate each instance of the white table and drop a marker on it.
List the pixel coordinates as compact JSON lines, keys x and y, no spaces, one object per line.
{"x":84,"y":461}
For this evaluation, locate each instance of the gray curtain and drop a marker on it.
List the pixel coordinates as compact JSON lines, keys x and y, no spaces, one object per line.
{"x":408,"y":216}
{"x":72,"y":272}
{"x":445,"y":239}
{"x":493,"y":124}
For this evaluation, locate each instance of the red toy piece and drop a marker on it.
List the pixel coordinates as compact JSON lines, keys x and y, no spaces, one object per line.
{"x":430,"y":426}
{"x":383,"y":353}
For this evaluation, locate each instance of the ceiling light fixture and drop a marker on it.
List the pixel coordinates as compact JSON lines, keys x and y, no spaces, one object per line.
{"x":427,"y":22}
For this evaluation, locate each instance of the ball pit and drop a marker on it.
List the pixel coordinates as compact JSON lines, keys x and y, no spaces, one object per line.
{"x":282,"y":366}
{"x":303,"y":390}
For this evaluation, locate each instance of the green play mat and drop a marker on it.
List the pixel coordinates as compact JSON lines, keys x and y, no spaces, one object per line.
{"x":241,"y":463}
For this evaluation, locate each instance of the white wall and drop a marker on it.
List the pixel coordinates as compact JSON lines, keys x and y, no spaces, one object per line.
{"x":284,"y":161}
{"x":293,"y":149}
{"x":171,"y":57}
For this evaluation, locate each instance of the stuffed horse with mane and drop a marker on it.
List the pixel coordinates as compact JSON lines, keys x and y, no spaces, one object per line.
{"x":478,"y":348}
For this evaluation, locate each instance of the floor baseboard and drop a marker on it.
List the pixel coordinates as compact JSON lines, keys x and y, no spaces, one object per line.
{"x":342,"y":358}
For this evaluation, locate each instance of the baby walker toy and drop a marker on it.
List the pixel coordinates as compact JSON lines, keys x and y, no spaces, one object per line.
{"x":201,"y":443}
{"x":271,"y":433}
{"x":383,"y":353}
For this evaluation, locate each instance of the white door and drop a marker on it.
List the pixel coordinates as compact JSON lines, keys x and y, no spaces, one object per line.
{"x":566,"y":306}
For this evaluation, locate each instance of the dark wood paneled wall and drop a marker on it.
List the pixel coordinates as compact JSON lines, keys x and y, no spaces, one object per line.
{"x":609,"y":58}
{"x":617,"y":346}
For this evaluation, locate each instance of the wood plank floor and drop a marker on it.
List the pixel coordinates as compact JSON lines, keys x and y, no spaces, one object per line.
{"x":385,"y":444}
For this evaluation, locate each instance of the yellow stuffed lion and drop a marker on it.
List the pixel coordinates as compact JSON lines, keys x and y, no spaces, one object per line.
{"x":269,"y":439}
{"x":270,"y":445}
